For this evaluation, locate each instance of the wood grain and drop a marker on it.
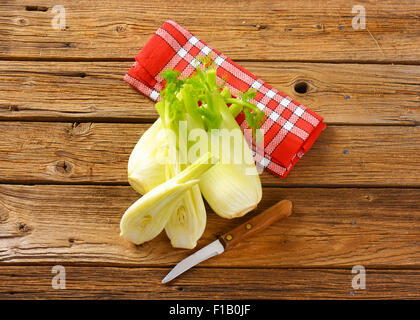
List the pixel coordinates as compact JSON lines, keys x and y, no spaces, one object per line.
{"x":356,"y":194}
{"x":260,"y":30}
{"x":144,"y":283}
{"x":95,"y":91}
{"x":38,"y":152}
{"x":336,"y":228}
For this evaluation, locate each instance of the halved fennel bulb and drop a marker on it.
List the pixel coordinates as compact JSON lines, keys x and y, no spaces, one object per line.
{"x":147,"y":217}
{"x":147,"y":170}
{"x":186,"y":225}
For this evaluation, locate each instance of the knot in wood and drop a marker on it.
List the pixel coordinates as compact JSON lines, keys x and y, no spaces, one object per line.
{"x":22,"y":21}
{"x":63,"y":167}
{"x":120,"y":28}
{"x":80,"y":129}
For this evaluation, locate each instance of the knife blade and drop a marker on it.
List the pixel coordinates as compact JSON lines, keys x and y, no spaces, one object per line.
{"x":280,"y":210}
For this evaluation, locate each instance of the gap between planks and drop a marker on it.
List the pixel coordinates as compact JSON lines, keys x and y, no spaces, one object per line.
{"x":169,"y":267}
{"x":35,"y":183}
{"x":92,"y":59}
{"x":120,"y":120}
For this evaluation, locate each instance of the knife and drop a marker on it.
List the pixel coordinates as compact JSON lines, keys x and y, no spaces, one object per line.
{"x":280,"y":210}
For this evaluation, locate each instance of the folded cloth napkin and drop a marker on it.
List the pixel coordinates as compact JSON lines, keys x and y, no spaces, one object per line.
{"x":290,"y":129}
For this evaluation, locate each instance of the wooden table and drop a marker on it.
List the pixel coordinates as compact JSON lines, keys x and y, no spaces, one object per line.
{"x":69,"y":122}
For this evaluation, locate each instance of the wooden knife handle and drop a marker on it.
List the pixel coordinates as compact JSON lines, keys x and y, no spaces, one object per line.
{"x":280,"y":210}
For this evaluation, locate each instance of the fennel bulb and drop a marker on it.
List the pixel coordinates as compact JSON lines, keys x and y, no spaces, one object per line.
{"x":147,"y":217}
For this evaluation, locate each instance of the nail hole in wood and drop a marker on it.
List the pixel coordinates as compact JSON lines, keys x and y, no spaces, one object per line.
{"x":22,"y":21}
{"x":261,"y":27}
{"x":301,"y":87}
{"x":23,"y":228}
{"x":14,"y":108}
{"x":36,"y":8}
{"x":72,"y":241}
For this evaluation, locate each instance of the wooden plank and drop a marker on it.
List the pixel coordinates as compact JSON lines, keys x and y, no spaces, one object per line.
{"x":79,"y":225}
{"x":86,"y":91}
{"x":144,"y":283}
{"x":35,"y":152}
{"x":286,"y":30}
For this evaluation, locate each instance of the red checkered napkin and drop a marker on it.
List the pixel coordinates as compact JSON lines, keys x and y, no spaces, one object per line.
{"x":290,"y":129}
